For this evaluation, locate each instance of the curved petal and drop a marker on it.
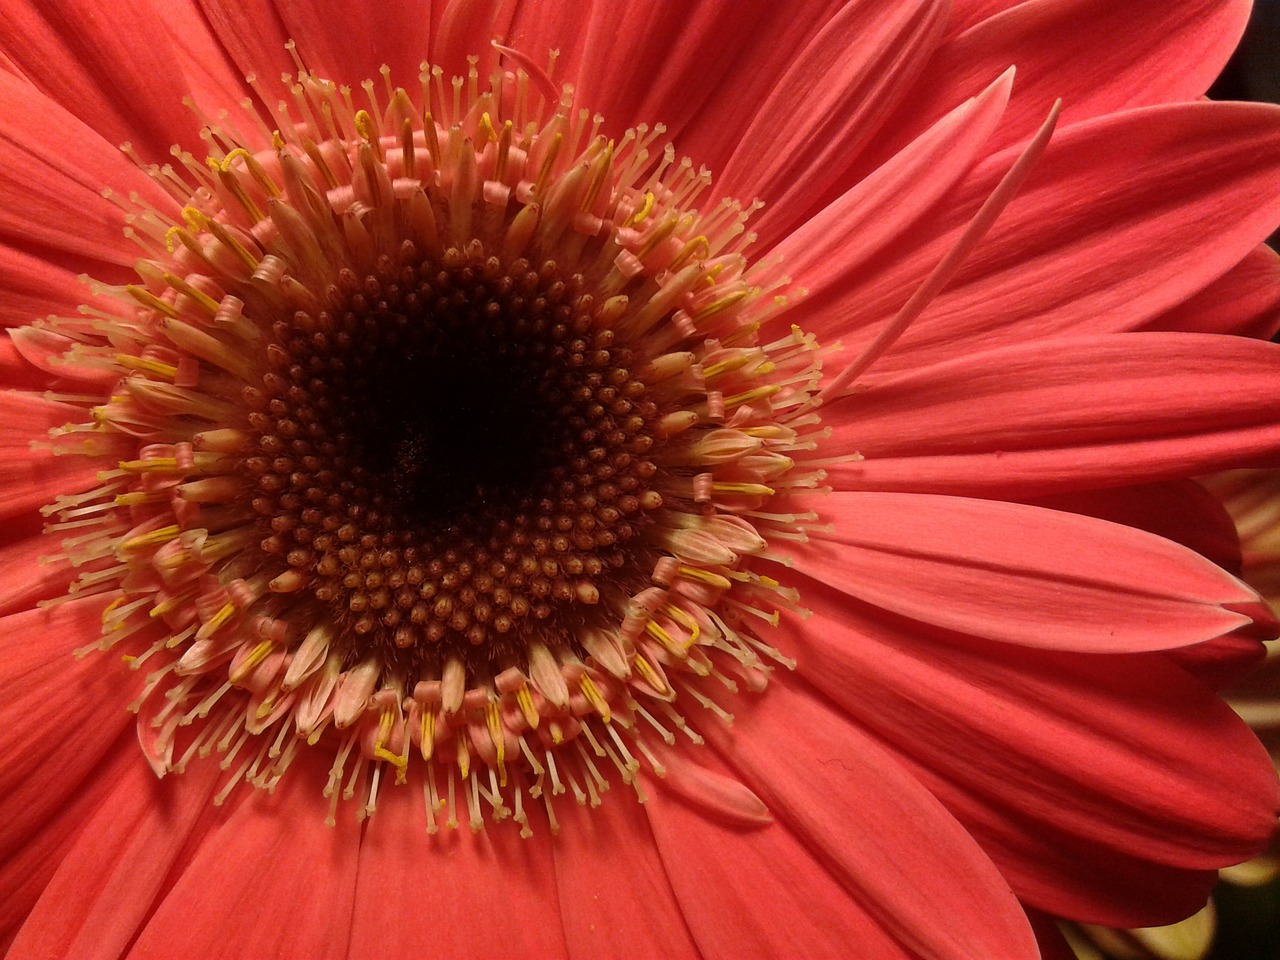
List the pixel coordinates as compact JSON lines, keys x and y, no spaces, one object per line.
{"x":1137,"y":56}
{"x":270,"y":849}
{"x":1124,"y":217}
{"x":1055,"y":415}
{"x":1117,"y":759}
{"x":33,"y":286}
{"x":829,"y":104}
{"x":615,"y":897}
{"x":111,"y":68}
{"x":1021,"y":574}
{"x":467,"y":879}
{"x":352,"y":46}
{"x":885,"y":838}
{"x":107,"y":884}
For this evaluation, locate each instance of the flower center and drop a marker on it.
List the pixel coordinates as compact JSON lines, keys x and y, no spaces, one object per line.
{"x":452,"y":458}
{"x":442,"y":435}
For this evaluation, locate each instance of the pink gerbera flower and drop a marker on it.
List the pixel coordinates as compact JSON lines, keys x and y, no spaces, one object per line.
{"x":449,"y":461}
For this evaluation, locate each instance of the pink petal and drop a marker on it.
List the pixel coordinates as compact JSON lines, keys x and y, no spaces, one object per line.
{"x":760,"y":893}
{"x":492,"y":874}
{"x":830,"y":103}
{"x":112,"y":69}
{"x":885,"y":838}
{"x":1244,"y":301}
{"x":52,"y":171}
{"x":26,"y":575}
{"x":30,"y":478}
{"x":1021,"y":574}
{"x":1087,"y":246}
{"x":58,"y":715}
{"x":269,"y":874}
{"x":614,"y":906}
{"x":1137,"y":56}
{"x":16,"y":371}
{"x":32,"y":286}
{"x":1057,"y":415}
{"x":1120,"y":755}
{"x":27,"y":869}
{"x":107,"y":884}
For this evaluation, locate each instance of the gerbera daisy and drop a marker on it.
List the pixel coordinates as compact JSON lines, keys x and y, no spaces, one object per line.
{"x":448,"y":460}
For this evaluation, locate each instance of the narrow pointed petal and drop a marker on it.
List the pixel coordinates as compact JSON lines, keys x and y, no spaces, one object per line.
{"x":901,"y":856}
{"x":1122,"y":756}
{"x":1086,"y":247}
{"x":1021,"y":574}
{"x":1058,"y":415}
{"x":271,"y":848}
{"x":513,"y":878}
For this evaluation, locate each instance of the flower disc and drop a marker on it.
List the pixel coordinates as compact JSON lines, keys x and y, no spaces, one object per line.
{"x":439,"y":430}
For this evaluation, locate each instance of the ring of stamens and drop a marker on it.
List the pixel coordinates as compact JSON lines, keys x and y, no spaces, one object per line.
{"x":444,"y":434}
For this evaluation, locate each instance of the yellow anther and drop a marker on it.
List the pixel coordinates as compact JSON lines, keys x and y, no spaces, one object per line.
{"x":233,"y":156}
{"x":162,"y":371}
{"x":154,"y":538}
{"x":525,"y":699}
{"x":752,"y":395}
{"x":486,"y":127}
{"x":592,"y":693}
{"x":650,"y":675}
{"x":111,"y":608}
{"x":365,"y":126}
{"x":746,"y":489}
{"x":646,"y":208}
{"x":723,"y":303}
{"x":720,"y":367}
{"x":464,"y":757}
{"x":206,"y":301}
{"x":172,"y":237}
{"x":219,"y":231}
{"x":400,"y":761}
{"x":664,"y":638}
{"x":139,"y":497}
{"x":704,"y":576}
{"x":255,"y":657}
{"x":171,"y":604}
{"x":266,"y":706}
{"x":277,"y":141}
{"x":686,"y":621}
{"x":493,"y":719}
{"x":427,"y":739}
{"x":217,"y":621}
{"x":195,"y":219}
{"x":695,"y":249}
{"x":154,"y":465}
{"x":149,"y":299}
{"x":213,"y":163}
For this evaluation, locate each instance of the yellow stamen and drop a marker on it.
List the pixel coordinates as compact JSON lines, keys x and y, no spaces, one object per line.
{"x":162,"y":371}
{"x":255,"y":657}
{"x":592,"y":693}
{"x":494,"y":720}
{"x":154,"y":538}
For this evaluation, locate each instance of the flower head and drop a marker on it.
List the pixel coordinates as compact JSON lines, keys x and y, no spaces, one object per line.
{"x":429,"y":442}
